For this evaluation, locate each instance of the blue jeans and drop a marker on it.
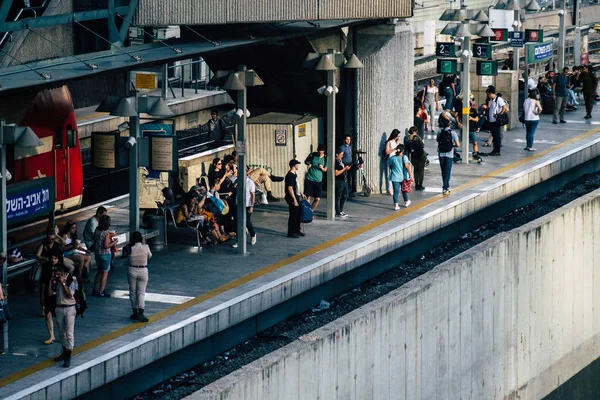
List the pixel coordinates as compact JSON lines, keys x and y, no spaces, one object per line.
{"x":446,"y":167}
{"x":449,"y":95}
{"x":530,"y":127}
{"x":103,"y":262}
{"x":396,"y":186}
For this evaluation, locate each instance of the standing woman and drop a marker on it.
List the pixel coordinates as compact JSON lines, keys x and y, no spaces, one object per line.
{"x":65,"y":286}
{"x":431,"y":101}
{"x":531,"y":113}
{"x":400,"y":167}
{"x":102,"y":246}
{"x":417,"y":156}
{"x":390,"y":148}
{"x":47,"y":294}
{"x":137,"y":276}
{"x":449,"y":91}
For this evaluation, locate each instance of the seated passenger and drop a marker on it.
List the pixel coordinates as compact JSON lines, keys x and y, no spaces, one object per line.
{"x":72,"y":251}
{"x":261,"y":176}
{"x":14,"y":255}
{"x":51,"y":243}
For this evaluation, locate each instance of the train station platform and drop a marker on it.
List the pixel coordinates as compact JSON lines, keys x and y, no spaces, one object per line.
{"x":193,"y":295}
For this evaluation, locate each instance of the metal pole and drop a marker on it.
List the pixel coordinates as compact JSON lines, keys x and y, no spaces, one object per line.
{"x":561,"y":40}
{"x":466,"y":107}
{"x":3,"y":229}
{"x":525,"y":72}
{"x":165,"y":81}
{"x":134,"y":171}
{"x":241,"y":180}
{"x":515,"y":65}
{"x":331,"y":144}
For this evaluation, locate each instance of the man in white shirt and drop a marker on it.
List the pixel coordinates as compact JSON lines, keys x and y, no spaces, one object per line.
{"x":496,"y":106}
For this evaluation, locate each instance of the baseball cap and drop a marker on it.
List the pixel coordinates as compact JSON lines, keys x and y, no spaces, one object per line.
{"x":294,"y":162}
{"x":2,"y":255}
{"x":195,"y":187}
{"x":321,"y":148}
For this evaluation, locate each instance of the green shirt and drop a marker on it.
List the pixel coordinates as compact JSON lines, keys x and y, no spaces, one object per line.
{"x":314,"y":173}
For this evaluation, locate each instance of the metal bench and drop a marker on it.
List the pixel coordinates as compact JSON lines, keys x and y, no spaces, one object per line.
{"x":191,"y":225}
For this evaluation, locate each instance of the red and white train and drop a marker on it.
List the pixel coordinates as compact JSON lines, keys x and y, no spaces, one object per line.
{"x":52,"y":118}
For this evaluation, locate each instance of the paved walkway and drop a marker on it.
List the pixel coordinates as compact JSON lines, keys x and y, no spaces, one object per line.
{"x":182,"y":273}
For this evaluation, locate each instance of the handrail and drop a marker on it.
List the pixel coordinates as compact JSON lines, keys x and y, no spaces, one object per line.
{"x":40,"y":7}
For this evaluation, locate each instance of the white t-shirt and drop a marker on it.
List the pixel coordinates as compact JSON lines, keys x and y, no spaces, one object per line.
{"x":495,"y":108}
{"x":528,"y":110}
{"x":250,"y":188}
{"x":432,"y":89}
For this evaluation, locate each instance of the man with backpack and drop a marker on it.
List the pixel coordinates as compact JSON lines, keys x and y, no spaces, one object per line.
{"x":447,"y":139}
{"x":496,"y":106}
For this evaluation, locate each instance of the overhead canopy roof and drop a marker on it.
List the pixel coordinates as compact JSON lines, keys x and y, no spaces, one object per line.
{"x":69,"y":68}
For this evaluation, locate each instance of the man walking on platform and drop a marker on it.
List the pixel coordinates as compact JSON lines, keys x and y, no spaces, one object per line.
{"x":496,"y":106}
{"x":347,"y":159}
{"x":560,"y":88}
{"x":292,"y":198}
{"x":589,"y":83}
{"x":447,"y":139}
{"x":341,"y":184}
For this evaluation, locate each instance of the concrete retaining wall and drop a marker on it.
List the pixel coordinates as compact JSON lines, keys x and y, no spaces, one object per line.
{"x":514,"y":317}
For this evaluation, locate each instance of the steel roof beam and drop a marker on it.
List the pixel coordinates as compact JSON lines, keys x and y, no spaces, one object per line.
{"x":61,"y":19}
{"x":4,"y":9}
{"x":125,"y":22}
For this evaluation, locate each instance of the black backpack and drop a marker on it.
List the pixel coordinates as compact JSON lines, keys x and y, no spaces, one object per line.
{"x":416,"y":150}
{"x":445,"y":142}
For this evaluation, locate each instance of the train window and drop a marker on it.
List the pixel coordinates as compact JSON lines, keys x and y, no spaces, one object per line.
{"x":58,"y":140}
{"x":71,"y":137}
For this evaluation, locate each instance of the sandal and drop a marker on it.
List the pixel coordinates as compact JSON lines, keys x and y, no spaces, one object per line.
{"x":49,"y":341}
{"x":487,"y":144}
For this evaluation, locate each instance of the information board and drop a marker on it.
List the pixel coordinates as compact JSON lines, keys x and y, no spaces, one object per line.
{"x":487,"y":68}
{"x":534,"y":35}
{"x":445,"y":49}
{"x":482,"y":50}
{"x":163,"y":153}
{"x":500,"y":35}
{"x":105,"y":149}
{"x":447,"y":66}
{"x":29,"y":200}
{"x":517,"y":38}
{"x":538,"y":52}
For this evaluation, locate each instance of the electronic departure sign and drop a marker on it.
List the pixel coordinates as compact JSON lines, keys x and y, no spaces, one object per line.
{"x":500,"y":35}
{"x":487,"y":68}
{"x":443,"y":49}
{"x":447,"y":66}
{"x":534,"y":35}
{"x":482,"y":50}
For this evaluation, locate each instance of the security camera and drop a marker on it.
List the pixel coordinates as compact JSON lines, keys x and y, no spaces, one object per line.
{"x":561,"y":12}
{"x":130,"y":142}
{"x":322,"y":89}
{"x":329,"y":91}
{"x":465,"y":54}
{"x":336,"y":89}
{"x":247,"y":113}
{"x":239,"y":113}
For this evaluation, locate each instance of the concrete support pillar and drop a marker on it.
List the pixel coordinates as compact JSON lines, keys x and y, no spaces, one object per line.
{"x":385,"y":91}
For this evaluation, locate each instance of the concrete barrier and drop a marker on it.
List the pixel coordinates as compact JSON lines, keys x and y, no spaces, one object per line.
{"x":514,"y":317}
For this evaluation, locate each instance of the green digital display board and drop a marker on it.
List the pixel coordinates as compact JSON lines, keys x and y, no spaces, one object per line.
{"x":443,"y":49}
{"x":487,"y":68}
{"x":447,"y":66}
{"x":482,"y":50}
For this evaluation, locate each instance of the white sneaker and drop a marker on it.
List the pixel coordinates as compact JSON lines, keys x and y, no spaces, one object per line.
{"x":234,"y":245}
{"x":343,"y":214}
{"x":407,"y":203}
{"x":253,"y":240}
{"x":396,"y":207}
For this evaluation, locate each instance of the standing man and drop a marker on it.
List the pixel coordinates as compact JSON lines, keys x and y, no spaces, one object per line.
{"x":341,"y":183}
{"x":292,"y":197}
{"x":560,"y":87}
{"x":216,"y":127}
{"x":589,"y":83}
{"x":66,"y":285}
{"x":90,"y":227}
{"x":495,"y":106}
{"x":313,"y":186}
{"x":250,"y":199}
{"x":347,"y":148}
{"x":447,"y":139}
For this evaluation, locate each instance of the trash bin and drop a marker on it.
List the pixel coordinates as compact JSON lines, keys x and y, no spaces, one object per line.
{"x":157,"y":223}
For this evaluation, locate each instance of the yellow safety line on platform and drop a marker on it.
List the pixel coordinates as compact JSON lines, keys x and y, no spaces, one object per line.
{"x":100,"y":114}
{"x":273,"y":267}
